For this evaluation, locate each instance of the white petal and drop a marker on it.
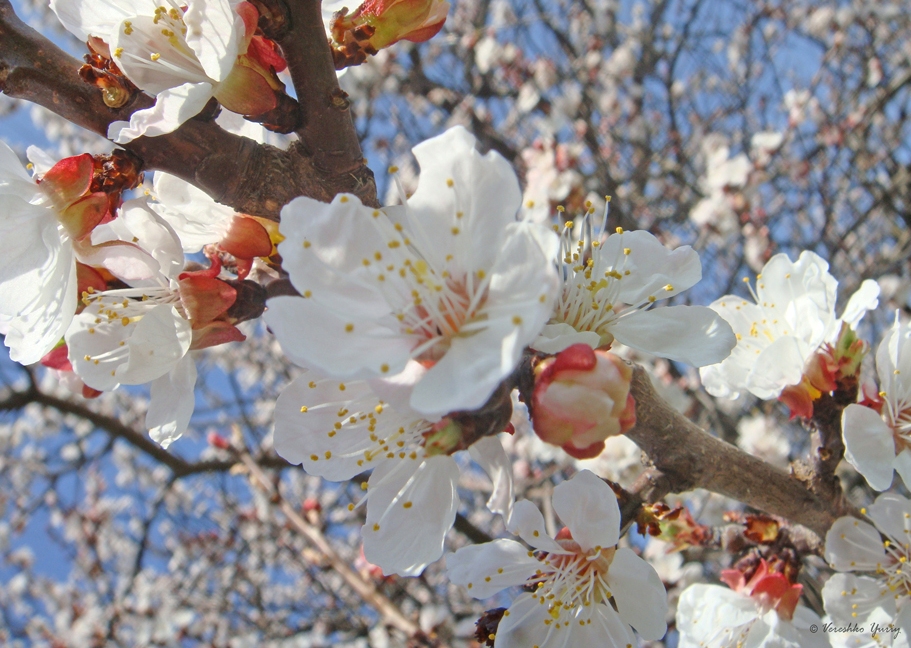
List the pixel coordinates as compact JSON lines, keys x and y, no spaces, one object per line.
{"x":524,"y":625}
{"x":172,"y":401}
{"x":903,"y":621}
{"x":845,"y":595}
{"x":606,"y":629}
{"x":801,"y":286}
{"x":151,"y":347}
{"x":730,"y":377}
{"x":652,"y":266}
{"x":306,"y":414}
{"x":396,"y":390}
{"x":556,"y":337}
{"x":865,"y":299}
{"x":311,"y":336}
{"x":706,"y":612}
{"x":456,"y":178}
{"x":639,"y":593}
{"x":29,"y":252}
{"x":588,"y":507}
{"x":528,"y":523}
{"x":153,"y":234}
{"x":337,"y":251}
{"x":523,"y":282}
{"x":488,"y":453}
{"x":84,"y":19}
{"x":692,"y":334}
{"x":893,"y":363}
{"x":14,"y":180}
{"x":213,"y":33}
{"x":41,"y":160}
{"x":891,"y":514}
{"x":803,"y":619}
{"x":197,"y":219}
{"x":470,"y":371}
{"x":38,"y":301}
{"x":854,"y":545}
{"x":126,"y":261}
{"x":778,"y":365}
{"x":172,"y":108}
{"x":869,"y":446}
{"x":902,"y":465}
{"x":411,"y":505}
{"x":149,"y":57}
{"x":487,"y":568}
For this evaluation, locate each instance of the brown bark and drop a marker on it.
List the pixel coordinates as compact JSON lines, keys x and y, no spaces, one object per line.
{"x":688,"y":458}
{"x":253,"y":178}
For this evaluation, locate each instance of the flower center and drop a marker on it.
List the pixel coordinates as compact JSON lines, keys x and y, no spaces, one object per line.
{"x":896,"y":574}
{"x":897,"y":414}
{"x":434,"y":301}
{"x":589,"y":299}
{"x":403,"y":437}
{"x":568,"y":582}
{"x":158,"y":43}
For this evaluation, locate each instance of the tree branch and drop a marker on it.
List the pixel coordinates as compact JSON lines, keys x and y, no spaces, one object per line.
{"x":366,"y":590}
{"x":179,"y":466}
{"x":689,"y":458}
{"x":236,"y":171}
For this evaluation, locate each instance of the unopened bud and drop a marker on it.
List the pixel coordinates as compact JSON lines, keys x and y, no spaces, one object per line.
{"x":217,"y":441}
{"x":380,"y":23}
{"x":581,"y":397}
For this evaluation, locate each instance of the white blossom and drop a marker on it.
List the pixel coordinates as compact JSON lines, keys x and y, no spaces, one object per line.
{"x":882,"y":594}
{"x":450,"y":279}
{"x":337,"y":430}
{"x":879,"y":444}
{"x":608,"y":292}
{"x":573,"y":576}
{"x":791,"y":316}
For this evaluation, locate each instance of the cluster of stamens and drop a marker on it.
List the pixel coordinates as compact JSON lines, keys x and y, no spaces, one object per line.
{"x":896,"y":574}
{"x":122,"y":308}
{"x":592,"y":283}
{"x":767,"y":328}
{"x":434,"y":299}
{"x":170,"y":23}
{"x":402,"y":437}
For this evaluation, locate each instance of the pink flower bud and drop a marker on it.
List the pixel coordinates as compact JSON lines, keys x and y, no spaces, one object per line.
{"x":217,"y":441}
{"x":581,"y":397}
{"x":380,"y":23}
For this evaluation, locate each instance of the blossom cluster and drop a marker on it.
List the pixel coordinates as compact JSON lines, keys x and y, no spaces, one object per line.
{"x":407,"y":319}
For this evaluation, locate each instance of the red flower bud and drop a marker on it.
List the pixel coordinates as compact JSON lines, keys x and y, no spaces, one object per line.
{"x":581,"y":397}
